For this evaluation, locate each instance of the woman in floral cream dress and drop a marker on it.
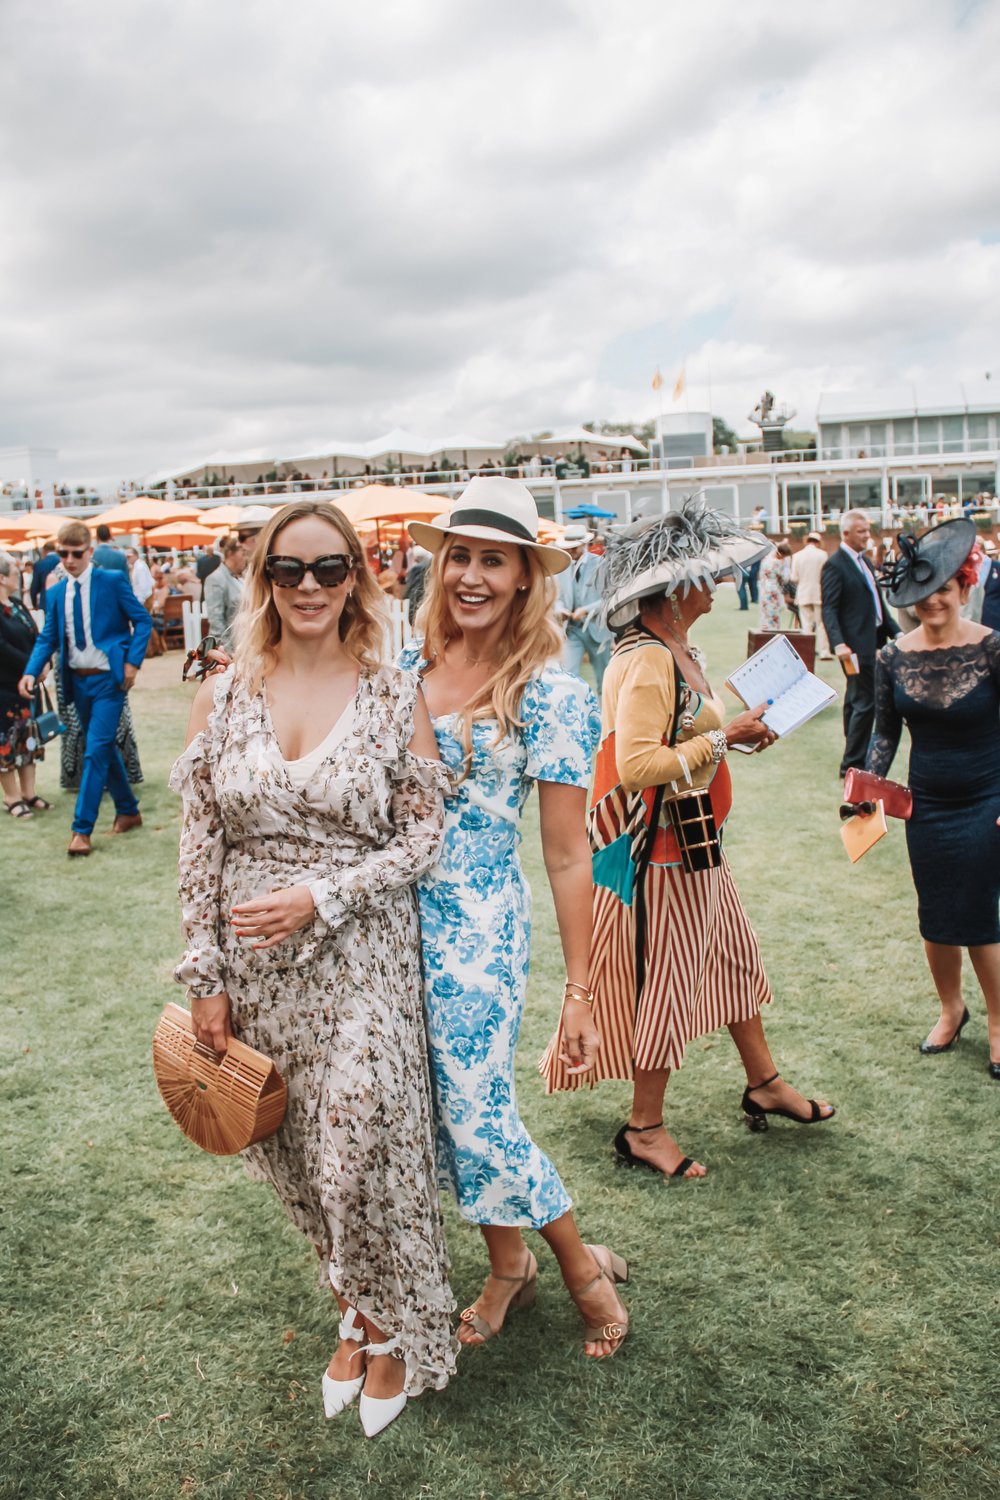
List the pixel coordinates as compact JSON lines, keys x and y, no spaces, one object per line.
{"x":312,"y":800}
{"x":504,"y":719}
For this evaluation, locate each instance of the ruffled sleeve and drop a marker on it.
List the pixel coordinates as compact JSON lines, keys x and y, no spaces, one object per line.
{"x":202,"y":853}
{"x":419,"y":786}
{"x":561,"y":728}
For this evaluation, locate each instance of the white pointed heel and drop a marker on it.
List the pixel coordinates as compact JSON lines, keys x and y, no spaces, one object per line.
{"x":340,"y":1393}
{"x":377,"y":1412}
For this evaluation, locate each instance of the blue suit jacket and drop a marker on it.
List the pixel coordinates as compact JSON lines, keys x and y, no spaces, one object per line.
{"x":991,"y":597}
{"x":576,"y":588}
{"x":106,"y":556}
{"x":119,"y":625}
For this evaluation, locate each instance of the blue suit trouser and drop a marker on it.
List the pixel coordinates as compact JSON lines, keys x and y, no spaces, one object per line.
{"x":99,"y":703}
{"x":576,"y":647}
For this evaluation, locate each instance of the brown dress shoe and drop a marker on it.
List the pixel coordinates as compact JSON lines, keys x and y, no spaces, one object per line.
{"x":125,"y":822}
{"x":79,"y":846}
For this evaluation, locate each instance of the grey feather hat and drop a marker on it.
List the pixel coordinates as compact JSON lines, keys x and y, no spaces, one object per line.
{"x":692,"y":547}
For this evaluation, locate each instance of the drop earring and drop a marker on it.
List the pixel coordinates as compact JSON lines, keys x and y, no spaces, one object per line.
{"x":675,"y":608}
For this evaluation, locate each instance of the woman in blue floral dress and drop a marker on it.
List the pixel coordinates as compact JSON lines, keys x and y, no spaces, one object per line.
{"x":505,"y":718}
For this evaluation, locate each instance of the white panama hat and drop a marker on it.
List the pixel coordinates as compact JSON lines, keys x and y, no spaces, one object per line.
{"x":253,"y":517}
{"x":492,"y":510}
{"x":576,"y":536}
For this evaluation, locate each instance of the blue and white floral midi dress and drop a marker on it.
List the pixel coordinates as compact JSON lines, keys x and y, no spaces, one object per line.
{"x":475,"y":915}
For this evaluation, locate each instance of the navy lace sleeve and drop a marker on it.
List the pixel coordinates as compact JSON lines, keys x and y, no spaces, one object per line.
{"x":991,"y":648}
{"x":888,"y":723}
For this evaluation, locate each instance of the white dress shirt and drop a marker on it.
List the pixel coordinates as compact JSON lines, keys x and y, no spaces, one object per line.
{"x":142,"y":581}
{"x":90,"y":660}
{"x":869,"y":578}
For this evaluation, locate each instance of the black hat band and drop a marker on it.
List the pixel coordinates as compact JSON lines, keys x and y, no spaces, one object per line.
{"x":492,"y":519}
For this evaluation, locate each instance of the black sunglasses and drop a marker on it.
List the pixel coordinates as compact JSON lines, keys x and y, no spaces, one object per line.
{"x":329,"y":572}
{"x":196,"y":664}
{"x":76,"y":552}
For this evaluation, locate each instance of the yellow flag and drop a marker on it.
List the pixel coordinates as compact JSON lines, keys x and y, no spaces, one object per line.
{"x":679,"y":388}
{"x":657,"y":380}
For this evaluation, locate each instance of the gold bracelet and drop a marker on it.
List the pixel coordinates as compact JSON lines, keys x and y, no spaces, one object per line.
{"x":584,"y":995}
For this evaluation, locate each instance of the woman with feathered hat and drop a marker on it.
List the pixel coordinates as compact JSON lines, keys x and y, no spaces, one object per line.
{"x":943,"y":681}
{"x":674,"y":955}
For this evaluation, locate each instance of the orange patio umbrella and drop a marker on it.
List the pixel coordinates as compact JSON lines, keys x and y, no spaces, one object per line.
{"x":182,"y":534}
{"x":22,"y":525}
{"x":389,"y":502}
{"x":144,"y":512}
{"x":389,"y":508}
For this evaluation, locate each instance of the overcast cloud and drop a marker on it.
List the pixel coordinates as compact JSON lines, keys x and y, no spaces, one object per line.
{"x":242,"y":225}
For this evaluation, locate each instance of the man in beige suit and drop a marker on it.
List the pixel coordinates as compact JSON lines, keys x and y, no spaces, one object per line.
{"x":807,"y":565}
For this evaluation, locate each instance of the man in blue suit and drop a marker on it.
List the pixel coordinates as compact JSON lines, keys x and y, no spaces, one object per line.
{"x":99,"y":630}
{"x":580,"y":607}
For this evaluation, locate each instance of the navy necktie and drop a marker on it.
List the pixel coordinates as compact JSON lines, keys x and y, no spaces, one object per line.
{"x":78,"y":628}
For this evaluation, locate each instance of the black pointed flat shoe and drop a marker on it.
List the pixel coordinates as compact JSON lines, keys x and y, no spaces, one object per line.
{"x":931,"y":1049}
{"x":993,"y":1069}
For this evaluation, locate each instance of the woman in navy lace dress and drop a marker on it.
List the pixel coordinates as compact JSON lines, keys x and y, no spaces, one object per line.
{"x":943,"y":681}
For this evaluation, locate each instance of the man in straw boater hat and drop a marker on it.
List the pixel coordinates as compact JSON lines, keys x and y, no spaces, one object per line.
{"x":674,"y":955}
{"x":99,"y":630}
{"x":253,"y":519}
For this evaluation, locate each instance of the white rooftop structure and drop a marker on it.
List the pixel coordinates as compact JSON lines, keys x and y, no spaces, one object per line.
{"x":909,"y":401}
{"x":399,"y":446}
{"x":905,"y":420}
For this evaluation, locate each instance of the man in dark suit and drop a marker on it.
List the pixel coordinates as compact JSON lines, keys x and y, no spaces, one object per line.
{"x":989,"y":581}
{"x":100,"y":631}
{"x":857,"y":623}
{"x":46,"y":564}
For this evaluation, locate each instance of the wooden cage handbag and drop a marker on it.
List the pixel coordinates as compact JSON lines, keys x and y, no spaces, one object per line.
{"x":223,"y":1102}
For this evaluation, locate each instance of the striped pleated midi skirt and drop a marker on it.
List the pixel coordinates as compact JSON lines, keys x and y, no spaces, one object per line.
{"x":702,"y":970}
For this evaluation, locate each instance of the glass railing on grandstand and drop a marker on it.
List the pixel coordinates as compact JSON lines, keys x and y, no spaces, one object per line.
{"x":936,"y":448}
{"x":216,"y":489}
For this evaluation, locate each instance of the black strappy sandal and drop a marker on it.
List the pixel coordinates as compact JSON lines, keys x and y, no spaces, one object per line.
{"x":19,"y":809}
{"x":38,"y":804}
{"x":755,"y":1115}
{"x":626,"y":1157}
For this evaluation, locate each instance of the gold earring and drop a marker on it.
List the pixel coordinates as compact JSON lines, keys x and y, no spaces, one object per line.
{"x":675,"y":607}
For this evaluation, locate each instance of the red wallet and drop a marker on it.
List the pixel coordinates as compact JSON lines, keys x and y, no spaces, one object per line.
{"x":862,"y":786}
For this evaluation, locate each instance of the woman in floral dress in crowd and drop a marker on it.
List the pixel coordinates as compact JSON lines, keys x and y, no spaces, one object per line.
{"x":505,"y":717}
{"x":312,"y":800}
{"x":19,"y":745}
{"x":773,"y":581}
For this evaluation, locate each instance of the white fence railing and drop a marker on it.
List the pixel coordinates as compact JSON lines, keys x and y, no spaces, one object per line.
{"x":195,"y":625}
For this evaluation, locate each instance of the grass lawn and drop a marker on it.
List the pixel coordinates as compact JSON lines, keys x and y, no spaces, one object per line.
{"x":816,"y":1319}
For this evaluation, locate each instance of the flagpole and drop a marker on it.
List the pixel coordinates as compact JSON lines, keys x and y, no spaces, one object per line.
{"x":664,"y":491}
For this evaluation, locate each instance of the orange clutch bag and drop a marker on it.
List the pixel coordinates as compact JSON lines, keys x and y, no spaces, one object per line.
{"x":222,"y":1102}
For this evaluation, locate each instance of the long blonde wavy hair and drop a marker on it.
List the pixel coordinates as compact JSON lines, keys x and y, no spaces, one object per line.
{"x":363,"y":623}
{"x":531,"y":640}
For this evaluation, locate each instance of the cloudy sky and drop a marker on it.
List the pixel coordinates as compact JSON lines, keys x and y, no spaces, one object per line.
{"x":247,"y":224}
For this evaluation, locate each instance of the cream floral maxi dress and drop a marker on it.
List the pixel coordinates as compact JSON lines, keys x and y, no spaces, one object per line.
{"x":338,"y":1006}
